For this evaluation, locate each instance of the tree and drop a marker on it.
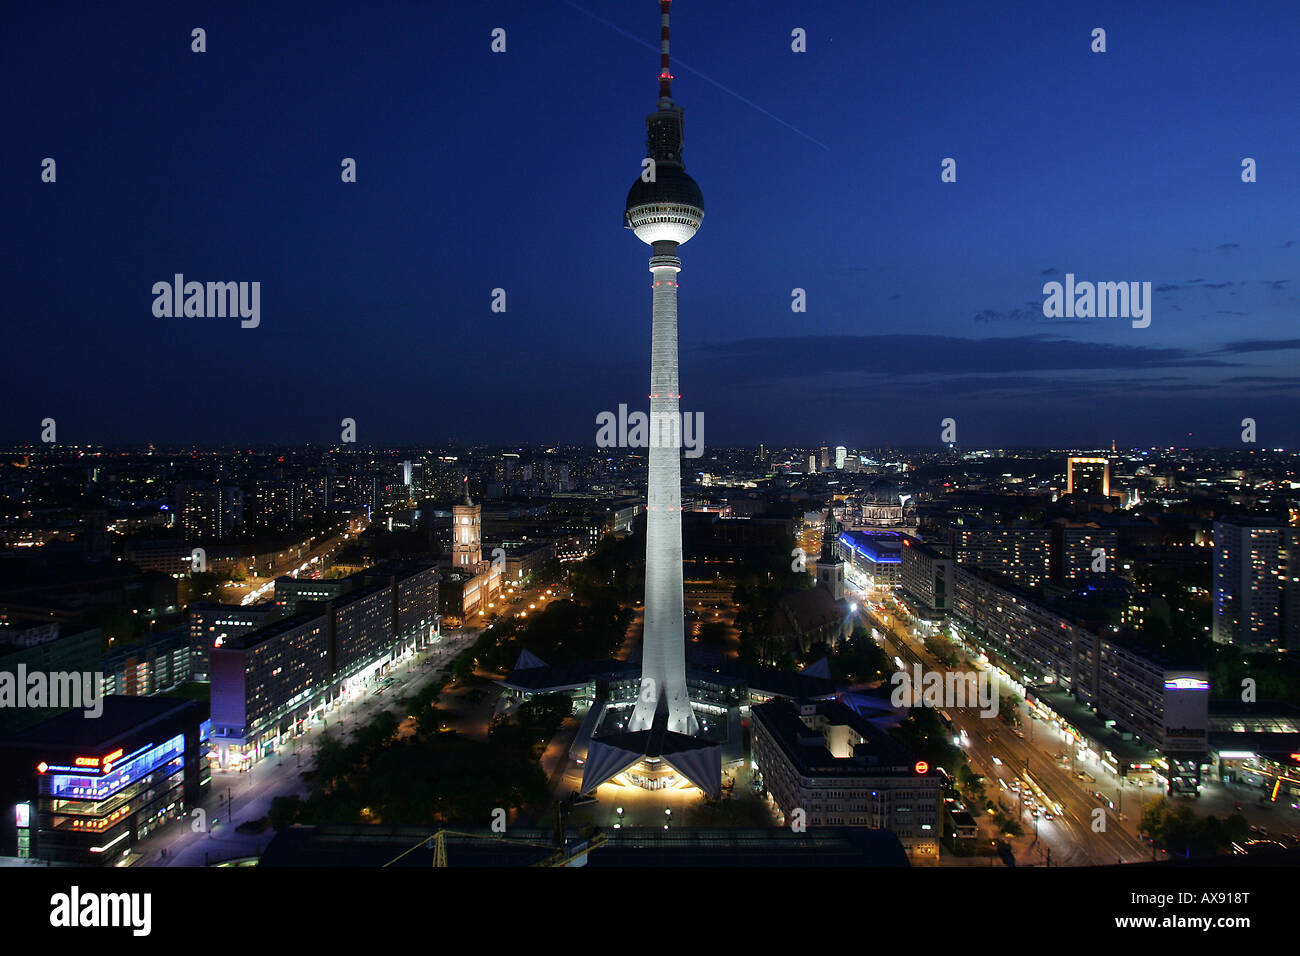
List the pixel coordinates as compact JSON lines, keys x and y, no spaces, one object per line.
{"x":1009,"y":708}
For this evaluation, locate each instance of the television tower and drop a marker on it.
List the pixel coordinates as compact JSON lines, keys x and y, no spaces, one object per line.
{"x":664,"y":209}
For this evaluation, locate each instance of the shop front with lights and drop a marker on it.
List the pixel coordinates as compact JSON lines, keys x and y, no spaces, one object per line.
{"x":85,"y":791}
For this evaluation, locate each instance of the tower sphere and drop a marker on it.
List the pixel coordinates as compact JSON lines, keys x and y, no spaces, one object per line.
{"x":670,"y":209}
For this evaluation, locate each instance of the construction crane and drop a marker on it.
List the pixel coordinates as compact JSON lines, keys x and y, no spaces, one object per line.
{"x":562,"y":854}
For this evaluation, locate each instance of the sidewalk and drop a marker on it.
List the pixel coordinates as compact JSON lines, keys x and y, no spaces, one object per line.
{"x":274,"y":776}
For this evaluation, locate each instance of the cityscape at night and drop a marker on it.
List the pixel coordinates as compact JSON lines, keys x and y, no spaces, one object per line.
{"x":337,"y":536}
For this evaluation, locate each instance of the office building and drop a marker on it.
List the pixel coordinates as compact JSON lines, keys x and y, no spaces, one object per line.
{"x":826,"y":760}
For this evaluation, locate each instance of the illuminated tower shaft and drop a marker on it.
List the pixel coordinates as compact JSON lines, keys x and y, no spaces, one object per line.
{"x":663,"y":661}
{"x":665,"y":208}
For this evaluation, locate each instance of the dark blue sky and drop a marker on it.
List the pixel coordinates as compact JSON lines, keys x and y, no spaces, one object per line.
{"x":819,"y":170}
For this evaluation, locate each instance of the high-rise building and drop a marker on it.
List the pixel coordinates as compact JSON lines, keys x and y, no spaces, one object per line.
{"x":1087,"y":476}
{"x":926,"y":575}
{"x":1021,"y":554}
{"x":207,"y":511}
{"x":277,"y":504}
{"x":1082,"y":550}
{"x":840,"y":454}
{"x":1255,"y":586}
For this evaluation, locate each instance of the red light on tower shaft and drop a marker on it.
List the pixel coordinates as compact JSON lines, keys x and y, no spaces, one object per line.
{"x":922,"y":767}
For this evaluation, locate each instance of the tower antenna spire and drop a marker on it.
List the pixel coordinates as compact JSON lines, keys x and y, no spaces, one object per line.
{"x":665,"y":77}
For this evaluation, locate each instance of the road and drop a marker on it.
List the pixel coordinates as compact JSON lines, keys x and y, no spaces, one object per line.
{"x":280,"y":773}
{"x":1070,"y":835}
{"x":259,"y":586}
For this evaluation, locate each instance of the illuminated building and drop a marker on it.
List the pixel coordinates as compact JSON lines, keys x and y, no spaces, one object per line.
{"x":1087,"y":476}
{"x":210,"y":623}
{"x":1021,"y":554}
{"x":830,"y":565}
{"x":267,"y":683}
{"x":1043,"y":644}
{"x":874,"y":558}
{"x":85,"y":792}
{"x":1075,"y":547}
{"x":834,"y":765}
{"x":926,"y":575}
{"x":1256,"y":585}
{"x":466,"y":534}
{"x":207,"y":511}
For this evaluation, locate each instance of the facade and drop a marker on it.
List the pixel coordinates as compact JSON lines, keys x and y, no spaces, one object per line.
{"x":291,"y":592}
{"x":527,"y":559}
{"x":1021,"y":554}
{"x":266,"y":683}
{"x":74,"y":651}
{"x":1075,"y":551}
{"x":466,"y":535}
{"x":151,"y":666}
{"x":926,"y":576}
{"x":1087,"y":476}
{"x":214,"y":624}
{"x":875,"y":556}
{"x":823,"y":758}
{"x":1158,"y":703}
{"x":361,"y":628}
{"x":84,"y":792}
{"x":278,"y":504}
{"x":1256,"y":585}
{"x":415,"y":592}
{"x":207,"y":511}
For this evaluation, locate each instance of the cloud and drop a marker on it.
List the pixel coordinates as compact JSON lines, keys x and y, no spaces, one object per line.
{"x":1262,"y":379}
{"x":1259,"y":345}
{"x":875,"y":358}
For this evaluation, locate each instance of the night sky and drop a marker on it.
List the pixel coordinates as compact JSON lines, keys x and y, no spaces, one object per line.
{"x":819,"y":170}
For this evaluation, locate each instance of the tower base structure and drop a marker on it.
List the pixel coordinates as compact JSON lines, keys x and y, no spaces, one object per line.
{"x":653,"y":759}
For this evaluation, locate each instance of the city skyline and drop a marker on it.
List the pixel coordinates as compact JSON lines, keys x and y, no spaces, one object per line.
{"x":376,"y":295}
{"x":342,"y":541}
